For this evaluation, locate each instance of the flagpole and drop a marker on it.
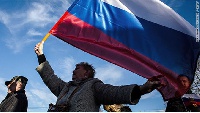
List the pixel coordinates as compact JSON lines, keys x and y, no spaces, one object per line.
{"x":45,"y":37}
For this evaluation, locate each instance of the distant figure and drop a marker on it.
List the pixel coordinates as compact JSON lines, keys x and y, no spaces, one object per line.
{"x":117,"y":108}
{"x":16,"y":100}
{"x":86,"y":93}
{"x":176,"y":104}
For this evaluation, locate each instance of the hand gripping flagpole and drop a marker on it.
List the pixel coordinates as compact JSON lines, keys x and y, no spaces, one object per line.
{"x":45,"y":37}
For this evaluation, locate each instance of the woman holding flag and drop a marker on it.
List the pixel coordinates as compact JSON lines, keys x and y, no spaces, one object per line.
{"x":86,"y":93}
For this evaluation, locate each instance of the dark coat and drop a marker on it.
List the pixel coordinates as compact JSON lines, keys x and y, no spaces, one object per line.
{"x":177,"y":104}
{"x":87,"y":95}
{"x":14,"y":102}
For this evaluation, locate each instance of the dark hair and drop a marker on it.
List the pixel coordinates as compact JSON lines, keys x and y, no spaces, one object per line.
{"x":88,"y":67}
{"x":182,"y":75}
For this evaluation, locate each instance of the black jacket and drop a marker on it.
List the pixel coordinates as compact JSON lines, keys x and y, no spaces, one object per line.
{"x":177,"y":104}
{"x":14,"y":102}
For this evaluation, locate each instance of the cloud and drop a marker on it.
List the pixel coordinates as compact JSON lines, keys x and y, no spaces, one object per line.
{"x":65,"y":68}
{"x":33,"y":32}
{"x":22,"y":24}
{"x":4,"y":17}
{"x":40,"y":15}
{"x":109,"y":74}
{"x":153,"y":94}
{"x":42,"y":94}
{"x":3,"y":89}
{"x":37,"y":16}
{"x":39,"y":97}
{"x":17,"y":44}
{"x":2,"y":85}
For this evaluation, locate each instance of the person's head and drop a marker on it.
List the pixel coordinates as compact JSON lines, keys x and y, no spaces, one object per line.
{"x":113,"y":107}
{"x":16,"y":83}
{"x":185,"y":81}
{"x":83,"y":71}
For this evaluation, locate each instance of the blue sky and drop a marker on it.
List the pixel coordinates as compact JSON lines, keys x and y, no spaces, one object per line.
{"x":23,"y":23}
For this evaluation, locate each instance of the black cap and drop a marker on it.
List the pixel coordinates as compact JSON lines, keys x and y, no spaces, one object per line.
{"x":16,"y":78}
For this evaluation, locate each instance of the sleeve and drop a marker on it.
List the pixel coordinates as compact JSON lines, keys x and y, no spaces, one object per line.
{"x":52,"y":81}
{"x":41,"y":58}
{"x":108,"y":94}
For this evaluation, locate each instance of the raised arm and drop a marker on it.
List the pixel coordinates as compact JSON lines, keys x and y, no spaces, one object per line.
{"x":52,"y":81}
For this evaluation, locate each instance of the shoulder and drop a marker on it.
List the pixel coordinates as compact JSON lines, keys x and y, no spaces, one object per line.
{"x":94,"y":80}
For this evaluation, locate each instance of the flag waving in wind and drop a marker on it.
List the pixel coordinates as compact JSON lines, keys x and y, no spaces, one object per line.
{"x":144,"y":36}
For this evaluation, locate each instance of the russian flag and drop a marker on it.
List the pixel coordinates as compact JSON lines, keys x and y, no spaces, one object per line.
{"x":144,"y":36}
{"x":191,"y":99}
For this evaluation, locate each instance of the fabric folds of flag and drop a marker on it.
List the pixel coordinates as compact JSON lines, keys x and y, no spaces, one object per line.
{"x":144,"y":36}
{"x":191,"y":99}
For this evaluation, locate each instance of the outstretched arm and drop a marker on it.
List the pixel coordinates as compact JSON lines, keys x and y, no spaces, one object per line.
{"x":149,"y":86}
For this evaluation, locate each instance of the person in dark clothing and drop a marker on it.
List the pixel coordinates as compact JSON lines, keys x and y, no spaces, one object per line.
{"x":16,"y":100}
{"x":86,"y":93}
{"x":177,"y":104}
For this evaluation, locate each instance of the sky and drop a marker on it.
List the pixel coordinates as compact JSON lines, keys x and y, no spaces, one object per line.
{"x":23,"y":23}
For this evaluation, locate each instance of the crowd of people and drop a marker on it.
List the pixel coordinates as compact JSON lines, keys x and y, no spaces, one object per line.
{"x":85,"y":93}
